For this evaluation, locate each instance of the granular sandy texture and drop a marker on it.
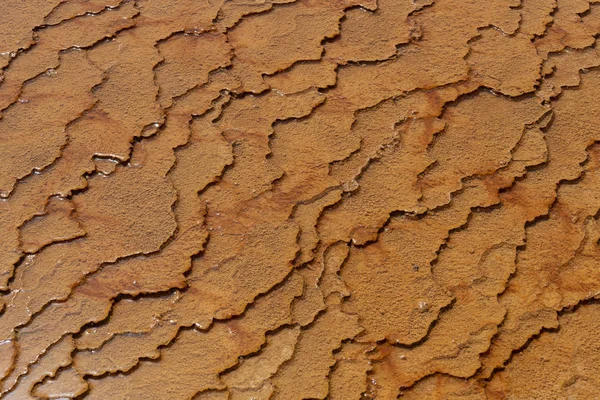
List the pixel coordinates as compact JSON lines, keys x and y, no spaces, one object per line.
{"x":299,"y":199}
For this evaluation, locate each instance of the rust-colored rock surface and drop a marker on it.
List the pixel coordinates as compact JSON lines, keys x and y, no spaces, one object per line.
{"x":299,"y":199}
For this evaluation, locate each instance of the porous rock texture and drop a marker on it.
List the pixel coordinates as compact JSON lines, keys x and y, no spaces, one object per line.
{"x":299,"y":199}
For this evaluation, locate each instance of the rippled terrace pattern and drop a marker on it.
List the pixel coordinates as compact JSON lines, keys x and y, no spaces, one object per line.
{"x":299,"y":199}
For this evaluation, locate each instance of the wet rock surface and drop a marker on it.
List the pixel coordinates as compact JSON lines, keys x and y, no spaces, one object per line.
{"x":299,"y":199}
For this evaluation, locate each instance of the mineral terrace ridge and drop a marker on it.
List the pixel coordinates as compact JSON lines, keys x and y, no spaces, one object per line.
{"x":310,"y":199}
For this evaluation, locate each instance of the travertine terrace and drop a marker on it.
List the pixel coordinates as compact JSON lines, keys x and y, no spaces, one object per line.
{"x":299,"y":199}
